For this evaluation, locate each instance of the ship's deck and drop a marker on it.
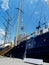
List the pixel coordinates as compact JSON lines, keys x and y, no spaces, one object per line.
{"x":14,"y":61}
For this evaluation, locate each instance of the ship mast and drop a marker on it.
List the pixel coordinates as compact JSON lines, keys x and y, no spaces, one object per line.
{"x":6,"y":28}
{"x":19,"y":13}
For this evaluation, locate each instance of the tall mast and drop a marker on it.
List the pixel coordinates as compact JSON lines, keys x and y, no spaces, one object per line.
{"x":6,"y":29}
{"x":19,"y":13}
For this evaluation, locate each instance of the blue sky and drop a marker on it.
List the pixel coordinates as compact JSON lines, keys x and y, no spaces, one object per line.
{"x":33,"y":10}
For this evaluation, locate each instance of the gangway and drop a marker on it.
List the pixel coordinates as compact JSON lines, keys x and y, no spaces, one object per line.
{"x":5,"y":50}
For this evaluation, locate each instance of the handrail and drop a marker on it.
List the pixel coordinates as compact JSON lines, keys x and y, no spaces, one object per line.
{"x":5,"y":50}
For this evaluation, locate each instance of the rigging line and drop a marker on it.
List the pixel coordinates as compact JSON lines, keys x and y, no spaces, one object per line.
{"x":17,"y":13}
{"x":4,"y":18}
{"x":14,"y":21}
{"x":39,"y":22}
{"x":15,"y":18}
{"x":6,"y":30}
{"x":42,"y":10}
{"x":44,"y":13}
{"x":40,"y":17}
{"x":6,"y":22}
{"x":34,"y":10}
{"x":14,"y":24}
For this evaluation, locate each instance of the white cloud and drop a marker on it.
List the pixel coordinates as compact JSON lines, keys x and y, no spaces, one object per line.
{"x":45,"y":0}
{"x":1,"y":42}
{"x":4,"y":4}
{"x":2,"y":32}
